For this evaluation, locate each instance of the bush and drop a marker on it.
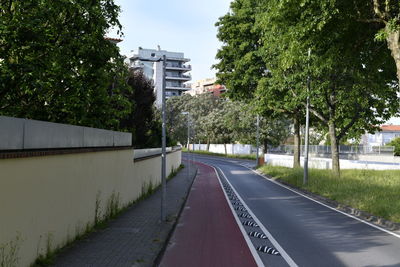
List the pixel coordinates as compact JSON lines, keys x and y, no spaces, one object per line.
{"x":396,"y":143}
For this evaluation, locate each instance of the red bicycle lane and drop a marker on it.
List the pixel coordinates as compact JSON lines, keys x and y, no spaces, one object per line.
{"x":207,"y":233}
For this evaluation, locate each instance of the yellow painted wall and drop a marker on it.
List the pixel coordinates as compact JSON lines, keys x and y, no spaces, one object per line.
{"x":51,"y":199}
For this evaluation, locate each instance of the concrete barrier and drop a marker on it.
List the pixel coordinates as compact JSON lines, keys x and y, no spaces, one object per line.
{"x":148,"y":152}
{"x":324,"y":163}
{"x":233,"y":149}
{"x":20,"y":134}
{"x":46,"y":201}
{"x":11,"y":133}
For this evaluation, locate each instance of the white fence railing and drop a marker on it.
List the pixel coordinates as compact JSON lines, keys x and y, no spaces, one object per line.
{"x":316,"y":149}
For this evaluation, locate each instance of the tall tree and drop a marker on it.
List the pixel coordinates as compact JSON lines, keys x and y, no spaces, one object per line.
{"x":141,"y":121}
{"x":384,"y":15}
{"x":243,"y":64}
{"x":198,"y":107}
{"x":55,"y":64}
{"x":240,"y":119}
{"x":352,"y":77}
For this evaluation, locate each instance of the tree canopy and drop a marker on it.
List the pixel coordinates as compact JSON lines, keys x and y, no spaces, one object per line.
{"x":56,"y":65}
{"x":219,"y":120}
{"x":353,"y":77}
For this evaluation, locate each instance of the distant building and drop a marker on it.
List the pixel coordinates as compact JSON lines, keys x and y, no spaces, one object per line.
{"x":207,"y":86}
{"x":387,"y":134}
{"x":176,"y":69}
{"x":113,"y":40}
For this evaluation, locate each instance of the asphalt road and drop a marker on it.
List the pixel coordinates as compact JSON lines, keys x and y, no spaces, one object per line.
{"x":306,"y":233}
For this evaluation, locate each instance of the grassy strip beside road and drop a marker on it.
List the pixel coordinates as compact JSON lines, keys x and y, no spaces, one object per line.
{"x":376,"y":192}
{"x":239,"y":156}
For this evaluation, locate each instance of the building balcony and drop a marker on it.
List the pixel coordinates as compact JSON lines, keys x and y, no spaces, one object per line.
{"x":136,"y":65}
{"x":180,"y":88}
{"x":178,"y":67}
{"x":179,"y":77}
{"x":180,"y":59}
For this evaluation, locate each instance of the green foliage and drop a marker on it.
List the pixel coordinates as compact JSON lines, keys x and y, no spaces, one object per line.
{"x":200,"y":109}
{"x":55,"y":64}
{"x":240,"y":66}
{"x":375,"y":192}
{"x":219,"y":120}
{"x":396,"y":143}
{"x":353,"y":85}
{"x":142,"y":120}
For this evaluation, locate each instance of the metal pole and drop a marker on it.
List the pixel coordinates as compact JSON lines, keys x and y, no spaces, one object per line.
{"x":258,"y":138}
{"x":306,"y":141}
{"x":188,"y":125}
{"x":188,"y":133}
{"x":164,"y":144}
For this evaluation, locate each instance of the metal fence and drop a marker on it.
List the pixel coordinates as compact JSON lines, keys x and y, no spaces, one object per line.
{"x":314,"y":149}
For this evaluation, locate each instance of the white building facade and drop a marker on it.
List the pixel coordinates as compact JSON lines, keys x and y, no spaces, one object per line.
{"x":208,"y":85}
{"x":387,"y":134}
{"x":175,"y":72}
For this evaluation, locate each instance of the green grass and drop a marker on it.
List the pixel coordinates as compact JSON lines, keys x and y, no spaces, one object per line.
{"x":376,"y":192}
{"x":238,"y":156}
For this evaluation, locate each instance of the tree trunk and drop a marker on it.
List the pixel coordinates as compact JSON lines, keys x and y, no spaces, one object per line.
{"x":208,"y":144}
{"x":334,"y":149}
{"x":226,"y":152}
{"x":393,"y":39}
{"x":296,"y":150}
{"x":265,"y":145}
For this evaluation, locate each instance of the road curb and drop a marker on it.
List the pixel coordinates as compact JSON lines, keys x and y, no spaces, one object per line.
{"x":165,"y":245}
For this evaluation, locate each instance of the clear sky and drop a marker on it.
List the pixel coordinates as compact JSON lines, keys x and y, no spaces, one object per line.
{"x":175,"y":25}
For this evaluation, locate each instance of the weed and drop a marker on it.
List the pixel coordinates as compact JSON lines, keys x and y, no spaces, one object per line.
{"x":48,"y":258}
{"x":112,"y":206}
{"x":175,"y":172}
{"x":97,"y":210}
{"x":113,"y":209}
{"x":9,"y":252}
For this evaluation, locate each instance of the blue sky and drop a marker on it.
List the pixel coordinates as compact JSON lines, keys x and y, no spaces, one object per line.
{"x":175,"y":25}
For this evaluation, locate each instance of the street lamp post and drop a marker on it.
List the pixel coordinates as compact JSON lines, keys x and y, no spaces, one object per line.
{"x":307,"y":130}
{"x":258,"y":138}
{"x":188,"y":139}
{"x":163,"y":138}
{"x":163,"y":149}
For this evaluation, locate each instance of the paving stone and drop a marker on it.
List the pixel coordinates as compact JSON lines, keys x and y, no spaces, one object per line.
{"x":137,"y":236}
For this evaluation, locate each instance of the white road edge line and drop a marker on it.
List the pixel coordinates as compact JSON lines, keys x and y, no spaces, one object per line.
{"x":283,"y":253}
{"x":246,"y":237}
{"x":332,"y":208}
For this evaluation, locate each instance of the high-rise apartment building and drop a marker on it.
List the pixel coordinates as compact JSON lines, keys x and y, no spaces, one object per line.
{"x":175,"y":73}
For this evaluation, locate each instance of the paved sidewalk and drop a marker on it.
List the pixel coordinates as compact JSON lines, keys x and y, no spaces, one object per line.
{"x":207,"y":233}
{"x":137,"y":236}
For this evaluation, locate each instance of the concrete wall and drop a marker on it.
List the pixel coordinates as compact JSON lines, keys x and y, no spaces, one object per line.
{"x":324,"y":163}
{"x":48,"y":200}
{"x":19,"y":134}
{"x":233,"y":149}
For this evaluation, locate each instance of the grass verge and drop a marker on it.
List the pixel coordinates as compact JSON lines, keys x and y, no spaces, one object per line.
{"x":238,"y":156}
{"x":372,"y":191}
